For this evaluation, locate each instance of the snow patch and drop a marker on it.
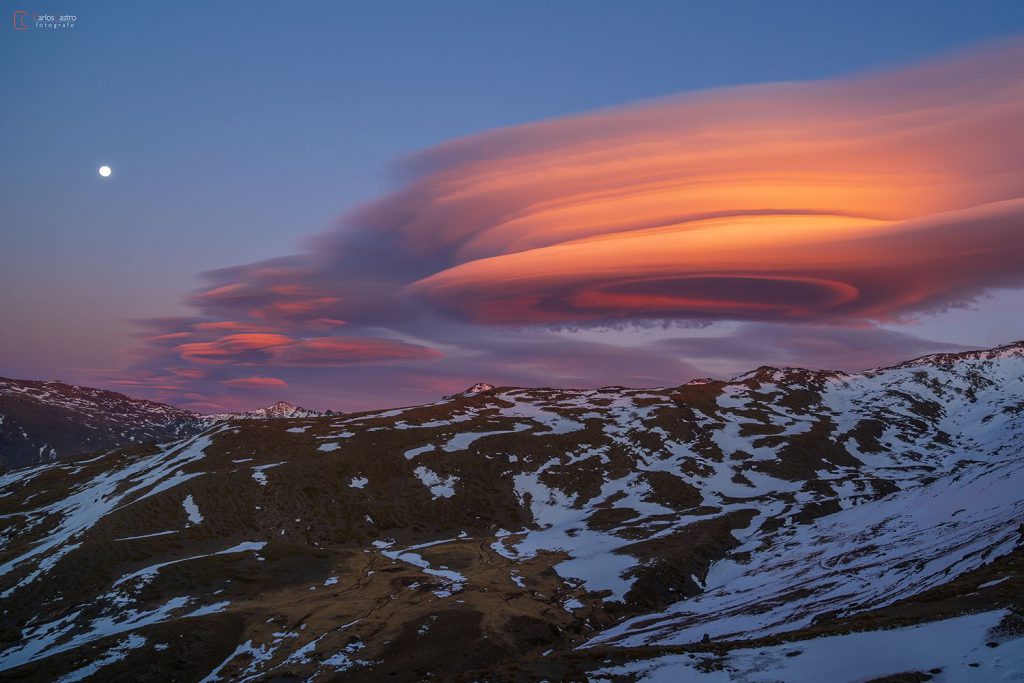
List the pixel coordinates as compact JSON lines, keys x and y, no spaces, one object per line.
{"x":192,"y":510}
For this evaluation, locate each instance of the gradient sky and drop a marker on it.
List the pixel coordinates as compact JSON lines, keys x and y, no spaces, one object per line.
{"x":347,"y":172}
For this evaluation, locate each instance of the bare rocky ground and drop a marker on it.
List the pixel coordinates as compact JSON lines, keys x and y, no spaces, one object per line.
{"x":737,"y":530}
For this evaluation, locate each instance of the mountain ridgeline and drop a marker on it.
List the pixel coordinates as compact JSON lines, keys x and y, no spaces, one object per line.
{"x":47,"y":421}
{"x":755,"y":529}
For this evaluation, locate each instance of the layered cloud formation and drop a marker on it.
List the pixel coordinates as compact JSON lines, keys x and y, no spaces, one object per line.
{"x":843,"y":203}
{"x":860,"y":199}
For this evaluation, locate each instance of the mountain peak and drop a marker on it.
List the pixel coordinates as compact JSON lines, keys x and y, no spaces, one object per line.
{"x":279,"y":410}
{"x":478,"y":388}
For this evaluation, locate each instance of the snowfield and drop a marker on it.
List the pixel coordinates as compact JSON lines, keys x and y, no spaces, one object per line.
{"x":956,"y":646}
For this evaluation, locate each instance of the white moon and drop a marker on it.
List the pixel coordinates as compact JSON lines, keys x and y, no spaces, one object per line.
{"x":105,"y":171}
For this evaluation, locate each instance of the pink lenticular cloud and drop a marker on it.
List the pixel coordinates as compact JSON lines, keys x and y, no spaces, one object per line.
{"x":255,"y":383}
{"x":849,"y":203}
{"x":231,"y":326}
{"x":188,"y":373}
{"x":232,"y":347}
{"x":342,"y":351}
{"x":278,"y":349}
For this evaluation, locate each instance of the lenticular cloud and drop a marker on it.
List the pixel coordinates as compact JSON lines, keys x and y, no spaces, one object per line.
{"x":843,"y":202}
{"x":858,"y":199}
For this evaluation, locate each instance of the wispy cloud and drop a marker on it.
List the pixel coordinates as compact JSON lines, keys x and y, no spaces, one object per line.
{"x":258,"y":383}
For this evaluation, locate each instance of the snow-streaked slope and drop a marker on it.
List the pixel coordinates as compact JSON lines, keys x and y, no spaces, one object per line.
{"x":857,"y":559}
{"x":956,"y":649}
{"x":47,"y":421}
{"x":499,"y":524}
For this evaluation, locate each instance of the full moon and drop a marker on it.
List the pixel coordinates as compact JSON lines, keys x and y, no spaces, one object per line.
{"x":105,"y":171}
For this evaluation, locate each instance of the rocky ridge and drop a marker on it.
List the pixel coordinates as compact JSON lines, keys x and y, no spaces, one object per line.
{"x":45,"y":421}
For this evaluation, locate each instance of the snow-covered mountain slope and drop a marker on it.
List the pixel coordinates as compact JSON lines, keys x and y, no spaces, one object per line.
{"x":46,"y":421}
{"x":960,"y":648}
{"x":524,"y":534}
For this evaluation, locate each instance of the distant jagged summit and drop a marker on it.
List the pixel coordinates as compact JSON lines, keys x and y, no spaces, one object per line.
{"x":280,"y":410}
{"x":478,"y":388}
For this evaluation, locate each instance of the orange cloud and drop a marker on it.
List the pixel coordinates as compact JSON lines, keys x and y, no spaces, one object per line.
{"x":751,"y":268}
{"x":255,"y":383}
{"x":866,"y":197}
